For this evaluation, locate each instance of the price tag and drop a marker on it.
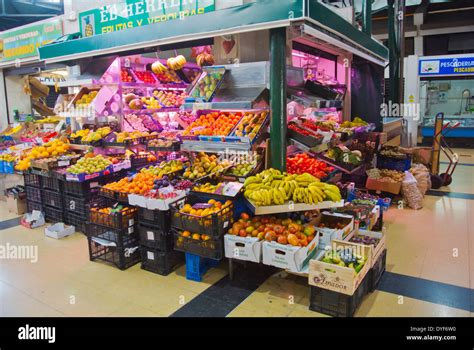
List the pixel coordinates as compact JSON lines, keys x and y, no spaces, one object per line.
{"x":62,"y":163}
{"x":226,"y":224}
{"x":131,"y":222}
{"x":150,"y":235}
{"x":150,"y":255}
{"x":94,"y":184}
{"x":131,"y":229}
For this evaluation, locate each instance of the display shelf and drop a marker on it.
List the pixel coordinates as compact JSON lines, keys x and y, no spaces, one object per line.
{"x":338,"y":167}
{"x":151,"y":111}
{"x":214,"y":146}
{"x":290,"y":208}
{"x":317,"y":149}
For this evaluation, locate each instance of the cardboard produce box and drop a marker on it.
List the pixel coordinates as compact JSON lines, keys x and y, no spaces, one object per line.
{"x":59,"y":230}
{"x":326,"y":235}
{"x":243,"y":248}
{"x":337,"y":278}
{"x":287,"y":256}
{"x":16,"y":205}
{"x":383,"y":186}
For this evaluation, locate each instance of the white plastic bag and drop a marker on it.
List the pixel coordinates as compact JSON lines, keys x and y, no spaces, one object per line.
{"x":411,"y":193}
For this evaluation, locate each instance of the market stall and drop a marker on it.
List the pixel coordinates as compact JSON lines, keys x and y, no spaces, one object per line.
{"x":165,"y":161}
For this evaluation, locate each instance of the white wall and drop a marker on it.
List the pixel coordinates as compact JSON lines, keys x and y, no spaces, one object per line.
{"x":17,"y":99}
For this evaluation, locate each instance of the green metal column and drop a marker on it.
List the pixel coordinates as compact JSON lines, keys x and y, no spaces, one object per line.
{"x":367,"y":16}
{"x":278,"y":125}
{"x":393,"y":59}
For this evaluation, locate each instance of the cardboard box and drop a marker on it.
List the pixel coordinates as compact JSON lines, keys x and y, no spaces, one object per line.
{"x":243,"y":248}
{"x":337,"y":278}
{"x":326,"y":235}
{"x":377,"y":185}
{"x":16,"y":205}
{"x":376,"y":250}
{"x":287,"y":256}
{"x":59,"y":230}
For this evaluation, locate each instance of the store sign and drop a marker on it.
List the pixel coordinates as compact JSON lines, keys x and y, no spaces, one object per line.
{"x":447,"y":66}
{"x":24,"y":42}
{"x":136,"y":13}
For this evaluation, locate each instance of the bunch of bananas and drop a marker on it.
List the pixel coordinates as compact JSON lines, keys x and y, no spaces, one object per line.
{"x":176,"y":63}
{"x":48,"y":120}
{"x":158,"y":67}
{"x":272,"y":187}
{"x":7,"y":157}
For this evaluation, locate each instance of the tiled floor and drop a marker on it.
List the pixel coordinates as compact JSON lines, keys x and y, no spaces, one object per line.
{"x":435,"y":243}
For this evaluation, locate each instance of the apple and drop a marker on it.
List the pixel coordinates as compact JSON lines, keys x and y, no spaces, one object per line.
{"x":261,"y":235}
{"x":282,"y":240}
{"x":243,"y":233}
{"x":249,"y":229}
{"x":278,"y":229}
{"x":255,"y":233}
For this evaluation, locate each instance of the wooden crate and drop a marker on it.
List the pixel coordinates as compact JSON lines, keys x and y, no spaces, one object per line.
{"x":52,"y":164}
{"x":337,"y":278}
{"x":376,"y":251}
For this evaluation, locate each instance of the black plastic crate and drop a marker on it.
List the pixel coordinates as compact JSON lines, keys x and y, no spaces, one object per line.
{"x":158,"y":219}
{"x":121,"y":256}
{"x":119,"y":221}
{"x":119,"y":237}
{"x":32,"y":180}
{"x":215,"y":224}
{"x":31,"y":205}
{"x":153,"y":237}
{"x":52,"y":199}
{"x":162,"y":263}
{"x":78,"y":221}
{"x":379,"y":224}
{"x":80,"y":205}
{"x":80,"y":189}
{"x":51,"y":183}
{"x":376,"y":272}
{"x":337,"y":304}
{"x":33,"y":194}
{"x":52,"y":214}
{"x":211,"y":248}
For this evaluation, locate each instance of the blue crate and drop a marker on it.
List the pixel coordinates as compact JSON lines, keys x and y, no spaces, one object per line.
{"x":9,"y":168}
{"x":197,"y":266}
{"x":2,"y":166}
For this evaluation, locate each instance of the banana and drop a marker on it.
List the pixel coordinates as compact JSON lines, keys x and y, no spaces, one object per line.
{"x":317,"y":184}
{"x":283,"y":193}
{"x":253,"y":186}
{"x":330,"y":195}
{"x":250,"y":180}
{"x":317,"y":196}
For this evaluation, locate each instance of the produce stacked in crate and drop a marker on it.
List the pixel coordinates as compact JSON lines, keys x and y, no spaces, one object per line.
{"x":113,"y":235}
{"x":200,"y":226}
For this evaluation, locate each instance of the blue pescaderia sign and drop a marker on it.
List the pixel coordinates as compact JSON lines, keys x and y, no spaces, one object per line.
{"x":446,"y":66}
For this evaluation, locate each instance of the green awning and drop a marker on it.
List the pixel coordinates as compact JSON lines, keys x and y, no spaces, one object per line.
{"x":262,"y":14}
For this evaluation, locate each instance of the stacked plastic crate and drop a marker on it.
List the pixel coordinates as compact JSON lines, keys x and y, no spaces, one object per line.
{"x":33,"y":192}
{"x":112,"y":234}
{"x":78,"y":198}
{"x":156,"y":242}
{"x":51,"y":191}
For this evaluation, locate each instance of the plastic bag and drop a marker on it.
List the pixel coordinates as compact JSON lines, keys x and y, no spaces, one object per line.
{"x":411,"y":194}
{"x":422,"y":176}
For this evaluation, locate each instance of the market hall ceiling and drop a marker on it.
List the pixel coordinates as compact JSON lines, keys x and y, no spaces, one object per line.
{"x":15,"y":13}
